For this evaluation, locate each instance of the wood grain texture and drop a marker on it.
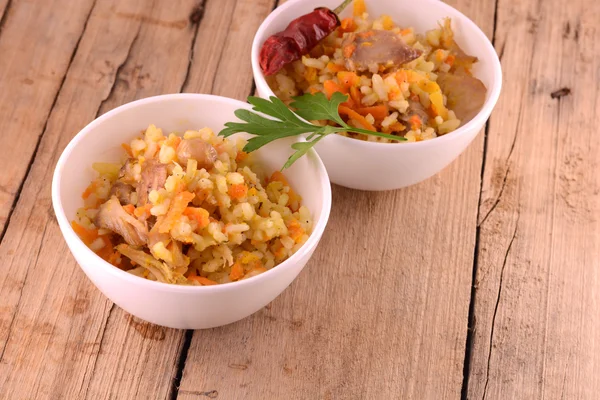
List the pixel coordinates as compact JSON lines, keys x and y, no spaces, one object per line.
{"x":32,"y":68}
{"x":379,"y":312}
{"x":59,"y":337}
{"x":222,"y":51}
{"x":3,"y":12}
{"x":538,"y":278}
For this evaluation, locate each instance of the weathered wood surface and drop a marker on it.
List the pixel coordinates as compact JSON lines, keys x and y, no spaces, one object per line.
{"x":382,"y":309}
{"x":32,"y":67}
{"x":538,"y":276}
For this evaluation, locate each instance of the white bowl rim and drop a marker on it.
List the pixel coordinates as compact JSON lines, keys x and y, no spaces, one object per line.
{"x":68,"y":231}
{"x":478,"y":120}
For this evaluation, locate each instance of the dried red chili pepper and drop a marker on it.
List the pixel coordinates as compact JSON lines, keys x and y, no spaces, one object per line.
{"x":299,"y":38}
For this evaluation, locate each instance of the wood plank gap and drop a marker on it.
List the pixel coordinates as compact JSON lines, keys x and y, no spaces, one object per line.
{"x":487,"y":373}
{"x":196,"y":17}
{"x":185,"y":348}
{"x":5,"y":15}
{"x":87,"y":389}
{"x":510,"y":152}
{"x":39,"y":139}
{"x":471,"y":315}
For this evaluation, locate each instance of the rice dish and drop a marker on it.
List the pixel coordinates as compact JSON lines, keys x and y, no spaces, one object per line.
{"x":191,"y":210}
{"x":398,"y":81}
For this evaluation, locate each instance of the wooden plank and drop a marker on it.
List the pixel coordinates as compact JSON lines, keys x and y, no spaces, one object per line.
{"x":538,"y":279}
{"x":32,"y":67}
{"x":380,"y":311}
{"x":222,"y":52}
{"x":59,"y":337}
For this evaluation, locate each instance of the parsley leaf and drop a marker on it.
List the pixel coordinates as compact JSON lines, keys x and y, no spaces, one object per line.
{"x":317,"y":107}
{"x":271,"y":120}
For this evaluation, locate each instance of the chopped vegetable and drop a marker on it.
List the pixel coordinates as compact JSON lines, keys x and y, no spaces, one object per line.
{"x":178,"y":206}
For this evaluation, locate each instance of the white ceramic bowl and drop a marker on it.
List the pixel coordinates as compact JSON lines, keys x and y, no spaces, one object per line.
{"x":183,"y":307}
{"x":382,"y":166}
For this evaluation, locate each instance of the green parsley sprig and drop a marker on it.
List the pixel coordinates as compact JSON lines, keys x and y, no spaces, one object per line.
{"x":283,"y":122}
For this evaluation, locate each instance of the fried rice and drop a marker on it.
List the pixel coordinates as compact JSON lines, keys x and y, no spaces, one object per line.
{"x":191,"y":210}
{"x":431,"y":95}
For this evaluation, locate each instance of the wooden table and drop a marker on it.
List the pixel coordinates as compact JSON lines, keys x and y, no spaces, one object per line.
{"x":482,"y":282}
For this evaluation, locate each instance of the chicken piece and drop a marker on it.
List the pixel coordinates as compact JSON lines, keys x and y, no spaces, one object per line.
{"x":112,"y":216}
{"x":199,"y":150}
{"x":417,"y":108}
{"x":123,"y":192}
{"x":127,"y":172}
{"x":154,"y":176}
{"x":465,"y":94}
{"x":376,"y":48}
{"x":160,"y":270}
{"x":154,"y":236}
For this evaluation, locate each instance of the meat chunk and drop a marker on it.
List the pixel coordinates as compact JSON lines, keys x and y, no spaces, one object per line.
{"x":112,"y":216}
{"x":199,"y":150}
{"x":123,"y":192}
{"x":416,"y":108}
{"x":465,"y":94}
{"x":154,"y":175}
{"x":376,"y":48}
{"x":127,"y":172}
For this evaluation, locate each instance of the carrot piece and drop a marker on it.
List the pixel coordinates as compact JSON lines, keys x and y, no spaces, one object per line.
{"x":348,"y":50}
{"x":313,"y":90}
{"x":387,"y":22}
{"x":366,"y":34}
{"x":310,"y":74}
{"x":450,"y":59}
{"x":130,"y":208}
{"x":295,"y":230}
{"x":405,"y":31}
{"x":143,"y":211}
{"x":396,"y":127}
{"x":89,"y":190}
{"x":378,"y":112}
{"x":202,"y":280}
{"x":401,"y":77}
{"x":356,"y":116}
{"x":114,"y":258}
{"x":348,"y":79}
{"x":237,"y":271}
{"x":241,"y":156}
{"x":176,"y":210}
{"x":198,"y":214}
{"x":333,"y":67}
{"x":279,"y":177}
{"x":348,"y":25}
{"x":238,"y":191}
{"x":127,"y":148}
{"x":359,"y":8}
{"x":355,"y":95}
{"x":415,"y":122}
{"x":85,"y":234}
{"x":107,"y":251}
{"x":280,"y":253}
{"x":331,"y":87}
